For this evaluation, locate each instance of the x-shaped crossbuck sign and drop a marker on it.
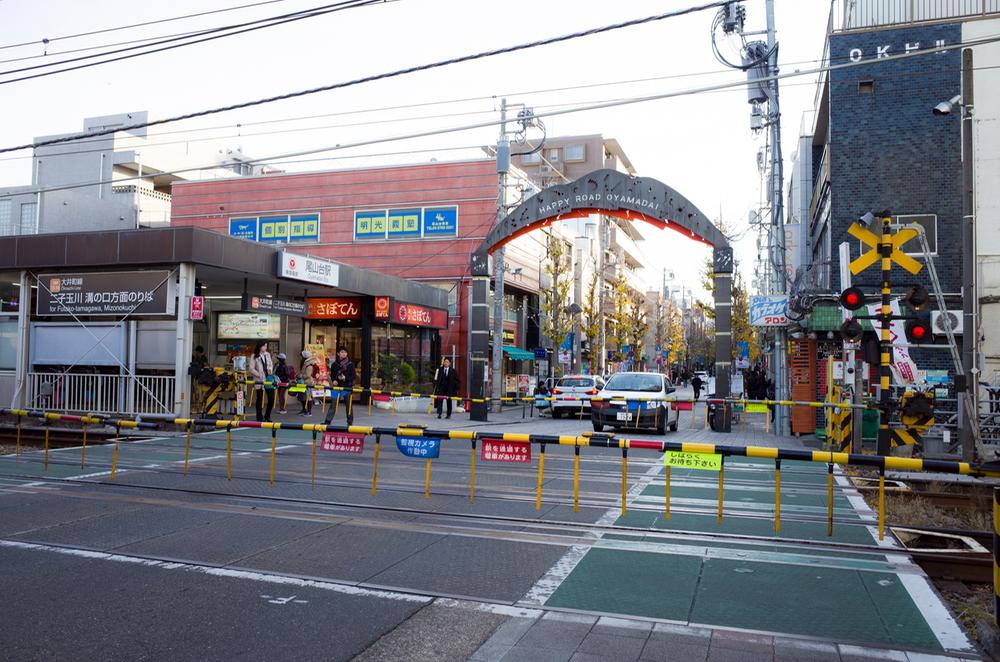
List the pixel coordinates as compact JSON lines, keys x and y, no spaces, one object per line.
{"x":871,"y":257}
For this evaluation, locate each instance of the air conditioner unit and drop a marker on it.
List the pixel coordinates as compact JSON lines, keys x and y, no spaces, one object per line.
{"x":546,"y":169}
{"x":941,"y":320}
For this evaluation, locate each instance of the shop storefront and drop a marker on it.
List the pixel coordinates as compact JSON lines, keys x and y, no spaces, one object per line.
{"x":406,"y":345}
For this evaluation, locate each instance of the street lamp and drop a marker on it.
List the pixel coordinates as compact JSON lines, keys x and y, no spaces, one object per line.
{"x":970,"y":339}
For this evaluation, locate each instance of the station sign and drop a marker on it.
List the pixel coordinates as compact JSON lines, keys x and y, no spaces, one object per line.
{"x":344,"y":442}
{"x":308,"y":269}
{"x":498,"y":450}
{"x":264,"y":303}
{"x":334,"y":308}
{"x":107,"y":293}
{"x":390,"y":310}
{"x":426,"y":448}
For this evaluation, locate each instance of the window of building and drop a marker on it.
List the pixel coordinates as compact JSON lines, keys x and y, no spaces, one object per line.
{"x":534,"y":157}
{"x":29,"y":218}
{"x":6,"y":222}
{"x":574,"y":153}
{"x":866,"y":86}
{"x":552,"y":154}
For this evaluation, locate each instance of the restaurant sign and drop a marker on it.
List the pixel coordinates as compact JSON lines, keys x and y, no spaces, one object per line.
{"x":107,"y":293}
{"x":334,"y":308}
{"x":264,"y":303}
{"x":390,"y":310}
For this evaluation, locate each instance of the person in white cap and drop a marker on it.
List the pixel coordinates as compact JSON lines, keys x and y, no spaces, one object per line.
{"x":310,"y":372}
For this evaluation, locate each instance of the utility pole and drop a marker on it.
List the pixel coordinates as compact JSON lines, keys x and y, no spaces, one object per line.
{"x":970,"y":294}
{"x":777,"y":248}
{"x":503,"y":166}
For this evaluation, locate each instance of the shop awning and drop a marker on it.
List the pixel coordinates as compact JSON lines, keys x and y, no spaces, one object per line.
{"x":518,"y":354}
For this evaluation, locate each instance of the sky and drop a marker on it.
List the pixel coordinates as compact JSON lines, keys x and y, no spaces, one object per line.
{"x":699,"y":144}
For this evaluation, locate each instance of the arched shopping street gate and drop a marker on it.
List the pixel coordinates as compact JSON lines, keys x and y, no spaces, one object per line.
{"x":611,"y":193}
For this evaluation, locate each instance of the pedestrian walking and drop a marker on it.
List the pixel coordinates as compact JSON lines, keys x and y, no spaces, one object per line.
{"x":696,"y":384}
{"x":445,"y":386}
{"x":309,"y":372}
{"x":342,"y":375}
{"x":262,"y":371}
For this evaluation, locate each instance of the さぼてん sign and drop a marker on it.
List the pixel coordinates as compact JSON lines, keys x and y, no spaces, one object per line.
{"x":335,"y":308}
{"x":107,"y":293}
{"x":407,"y":313}
{"x":769,"y":310}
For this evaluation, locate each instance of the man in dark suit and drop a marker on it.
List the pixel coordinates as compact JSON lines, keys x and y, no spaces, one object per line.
{"x":445,"y":386}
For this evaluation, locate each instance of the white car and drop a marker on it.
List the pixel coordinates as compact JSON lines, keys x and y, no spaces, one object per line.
{"x":634,"y":400}
{"x":572,"y":394}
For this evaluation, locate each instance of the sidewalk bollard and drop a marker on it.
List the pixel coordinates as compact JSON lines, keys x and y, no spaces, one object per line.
{"x":187,"y":447}
{"x":881,"y":503}
{"x":472,"y":473}
{"x":114,"y":455}
{"x":722,"y":471}
{"x":314,"y":457}
{"x":46,"y":425}
{"x":83,"y":449}
{"x":427,"y":480}
{"x":576,"y":477}
{"x":777,"y":496}
{"x":666,"y":491}
{"x":274,"y":449}
{"x":378,"y":443}
{"x":541,"y":469}
{"x":624,"y":473}
{"x":829,"y":499}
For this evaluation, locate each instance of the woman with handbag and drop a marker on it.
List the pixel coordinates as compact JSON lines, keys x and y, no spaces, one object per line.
{"x":309,"y":373}
{"x":262,"y":371}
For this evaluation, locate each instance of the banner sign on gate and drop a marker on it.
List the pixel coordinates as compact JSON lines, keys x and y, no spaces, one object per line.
{"x":707,"y":461}
{"x":427,"y":448}
{"x":769,"y":310}
{"x":498,"y":450}
{"x":344,"y":442}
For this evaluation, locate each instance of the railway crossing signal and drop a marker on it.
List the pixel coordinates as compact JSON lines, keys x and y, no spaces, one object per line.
{"x":871,"y":239}
{"x":852,"y":298}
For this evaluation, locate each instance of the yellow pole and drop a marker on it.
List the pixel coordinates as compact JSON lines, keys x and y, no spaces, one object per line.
{"x":722,"y":471}
{"x":114,"y":456}
{"x":666,"y":491}
{"x":375,"y":471}
{"x":624,"y":473}
{"x":541,"y":468}
{"x":694,"y":414}
{"x":767,"y":421}
{"x":274,"y":451}
{"x":17,"y":449}
{"x":472,"y":475}
{"x":46,"y":445}
{"x":187,"y":448}
{"x":777,"y":496}
{"x":392,"y":404}
{"x":829,"y":499}
{"x":83,"y":450}
{"x":229,"y":453}
{"x":336,"y":402}
{"x":370,"y":400}
{"x":881,"y":503}
{"x":314,"y":459}
{"x":576,"y":479}
{"x":706,"y":415}
{"x":427,"y":480}
{"x":350,"y":402}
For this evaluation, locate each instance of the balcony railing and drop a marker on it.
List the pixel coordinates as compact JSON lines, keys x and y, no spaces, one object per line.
{"x":863,"y":14}
{"x":100,"y":394}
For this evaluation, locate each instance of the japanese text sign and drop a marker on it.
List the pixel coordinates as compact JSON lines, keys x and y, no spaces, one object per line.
{"x":426,"y":448}
{"x":108,"y":293}
{"x":498,"y":450}
{"x":335,"y":308}
{"x":769,"y":310}
{"x":707,"y":461}
{"x":344,"y":442}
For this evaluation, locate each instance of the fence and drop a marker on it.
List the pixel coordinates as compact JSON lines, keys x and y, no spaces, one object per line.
{"x":138,"y":394}
{"x":863,"y":14}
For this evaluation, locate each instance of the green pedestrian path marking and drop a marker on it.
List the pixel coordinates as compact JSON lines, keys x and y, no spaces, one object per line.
{"x":824,"y":592}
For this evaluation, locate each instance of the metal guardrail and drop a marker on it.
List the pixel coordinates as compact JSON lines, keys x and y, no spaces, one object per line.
{"x":86,"y":393}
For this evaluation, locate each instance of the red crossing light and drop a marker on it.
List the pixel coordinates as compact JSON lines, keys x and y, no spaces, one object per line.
{"x":852,"y":298}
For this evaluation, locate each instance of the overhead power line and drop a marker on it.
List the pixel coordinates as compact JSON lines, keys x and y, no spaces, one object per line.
{"x":215,"y":33}
{"x":382,"y":76}
{"x":49,"y":40}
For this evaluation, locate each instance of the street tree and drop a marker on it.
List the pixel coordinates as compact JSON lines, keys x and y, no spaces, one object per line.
{"x":558,"y":266}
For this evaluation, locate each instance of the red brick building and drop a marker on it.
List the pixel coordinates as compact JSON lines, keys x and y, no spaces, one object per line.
{"x":419,"y":222}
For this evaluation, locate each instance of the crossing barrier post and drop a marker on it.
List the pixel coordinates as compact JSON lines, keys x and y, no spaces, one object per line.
{"x":314,"y":456}
{"x":274,"y":449}
{"x":624,"y":444}
{"x":722,"y":472}
{"x":229,"y":451}
{"x":427,"y":480}
{"x":46,"y":426}
{"x":666,"y":491}
{"x":541,"y":470}
{"x":83,"y":449}
{"x":881,"y":503}
{"x":17,"y":448}
{"x":114,"y":454}
{"x":576,"y":477}
{"x":829,"y":499}
{"x":378,"y":444}
{"x":187,"y":446}
{"x":777,"y":495}
{"x":472,"y":472}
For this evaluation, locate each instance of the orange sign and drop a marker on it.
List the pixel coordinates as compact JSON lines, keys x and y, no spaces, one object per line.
{"x":382,"y":308}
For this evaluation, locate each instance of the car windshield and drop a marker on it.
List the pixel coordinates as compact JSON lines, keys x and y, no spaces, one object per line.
{"x":627,"y":382}
{"x":576,"y":382}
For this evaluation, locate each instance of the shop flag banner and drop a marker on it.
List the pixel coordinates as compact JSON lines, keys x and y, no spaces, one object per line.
{"x":498,"y":450}
{"x":904,"y":369}
{"x":427,"y":448}
{"x":344,"y":442}
{"x":115,"y":293}
{"x":769,"y":310}
{"x":309,"y":269}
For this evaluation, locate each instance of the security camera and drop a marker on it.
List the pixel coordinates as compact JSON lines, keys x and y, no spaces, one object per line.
{"x":945,"y":107}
